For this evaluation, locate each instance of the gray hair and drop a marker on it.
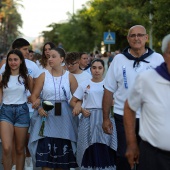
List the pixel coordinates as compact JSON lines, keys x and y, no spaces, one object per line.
{"x":165,"y":42}
{"x":135,"y":27}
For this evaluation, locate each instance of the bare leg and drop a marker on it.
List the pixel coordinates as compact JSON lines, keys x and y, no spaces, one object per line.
{"x":7,"y":132}
{"x":20,"y":140}
{"x":28,"y":158}
{"x":13,"y":152}
{"x":26,"y":146}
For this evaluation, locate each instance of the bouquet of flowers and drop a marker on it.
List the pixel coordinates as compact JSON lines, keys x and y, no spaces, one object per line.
{"x":47,"y":106}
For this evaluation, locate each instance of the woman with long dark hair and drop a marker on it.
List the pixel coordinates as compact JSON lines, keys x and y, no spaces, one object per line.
{"x":44,"y":64}
{"x":14,"y":117}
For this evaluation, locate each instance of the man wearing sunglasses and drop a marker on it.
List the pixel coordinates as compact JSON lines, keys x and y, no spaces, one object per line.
{"x":119,"y":80}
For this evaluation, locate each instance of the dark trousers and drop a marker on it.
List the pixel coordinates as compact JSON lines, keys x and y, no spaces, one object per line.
{"x":152,"y":158}
{"x":121,"y":161}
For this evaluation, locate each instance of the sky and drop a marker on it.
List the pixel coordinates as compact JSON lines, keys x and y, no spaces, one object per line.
{"x":38,"y":14}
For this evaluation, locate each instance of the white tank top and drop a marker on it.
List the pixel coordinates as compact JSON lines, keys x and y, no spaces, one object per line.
{"x":56,"y":88}
{"x":15,"y":93}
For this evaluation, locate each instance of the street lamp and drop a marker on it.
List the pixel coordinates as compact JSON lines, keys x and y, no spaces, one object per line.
{"x":150,"y":31}
{"x":73,"y":7}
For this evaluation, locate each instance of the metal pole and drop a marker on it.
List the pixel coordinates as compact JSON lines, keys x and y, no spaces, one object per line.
{"x":108,"y":47}
{"x":150,"y":38}
{"x":109,"y":44}
{"x":150,"y":31}
{"x":73,"y":7}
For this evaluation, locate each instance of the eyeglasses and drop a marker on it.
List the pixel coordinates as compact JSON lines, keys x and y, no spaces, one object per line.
{"x":71,"y":64}
{"x":136,"y":35}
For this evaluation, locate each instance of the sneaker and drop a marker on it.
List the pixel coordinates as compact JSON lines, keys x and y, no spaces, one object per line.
{"x":28,"y":163}
{"x":13,"y":167}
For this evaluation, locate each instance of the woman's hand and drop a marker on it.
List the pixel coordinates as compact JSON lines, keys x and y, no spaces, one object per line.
{"x":36,"y":104}
{"x":29,"y":99}
{"x":77,"y":109}
{"x":86,"y":113}
{"x":42,"y":112}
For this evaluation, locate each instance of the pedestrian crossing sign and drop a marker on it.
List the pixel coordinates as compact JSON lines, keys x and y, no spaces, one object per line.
{"x":109,"y":37}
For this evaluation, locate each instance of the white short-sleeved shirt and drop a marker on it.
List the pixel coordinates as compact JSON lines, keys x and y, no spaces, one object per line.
{"x":91,"y":93}
{"x":41,"y":68}
{"x":82,"y":76}
{"x":33,"y":70}
{"x":121,"y":75}
{"x":88,"y":70}
{"x":15,"y":93}
{"x":152,"y":93}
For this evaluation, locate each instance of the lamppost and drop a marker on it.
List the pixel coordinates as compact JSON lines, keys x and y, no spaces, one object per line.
{"x":73,"y":7}
{"x":150,"y":31}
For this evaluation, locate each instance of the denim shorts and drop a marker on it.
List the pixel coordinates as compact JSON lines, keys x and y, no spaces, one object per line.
{"x":16,"y":114}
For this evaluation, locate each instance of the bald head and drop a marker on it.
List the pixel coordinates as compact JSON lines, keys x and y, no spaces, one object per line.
{"x":137,"y":26}
{"x":165,"y":43}
{"x":137,"y":38}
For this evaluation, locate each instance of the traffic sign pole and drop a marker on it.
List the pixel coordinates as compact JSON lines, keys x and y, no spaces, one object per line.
{"x":108,"y":47}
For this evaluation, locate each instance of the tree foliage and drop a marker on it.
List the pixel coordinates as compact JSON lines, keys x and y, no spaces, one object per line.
{"x":84,"y":30}
{"x":10,"y":21}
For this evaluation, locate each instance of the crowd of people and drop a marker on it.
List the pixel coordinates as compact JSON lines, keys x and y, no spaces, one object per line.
{"x":80,"y":131}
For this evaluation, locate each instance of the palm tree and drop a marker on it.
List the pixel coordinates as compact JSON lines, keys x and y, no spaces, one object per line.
{"x":10,"y":21}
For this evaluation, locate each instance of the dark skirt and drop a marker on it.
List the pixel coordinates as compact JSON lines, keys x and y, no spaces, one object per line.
{"x":55,"y":153}
{"x":96,"y":150}
{"x":99,"y":156}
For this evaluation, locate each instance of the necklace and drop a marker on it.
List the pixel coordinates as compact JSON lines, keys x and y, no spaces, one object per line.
{"x":59,"y":84}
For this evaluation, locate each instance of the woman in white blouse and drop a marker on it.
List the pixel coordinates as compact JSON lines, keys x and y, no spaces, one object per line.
{"x":95,"y":149}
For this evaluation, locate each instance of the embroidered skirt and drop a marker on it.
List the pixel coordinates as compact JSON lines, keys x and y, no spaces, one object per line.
{"x":62,"y":127}
{"x":55,"y":153}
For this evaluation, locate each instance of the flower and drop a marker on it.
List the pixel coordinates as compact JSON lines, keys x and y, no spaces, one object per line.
{"x":47,"y":106}
{"x":86,"y":91}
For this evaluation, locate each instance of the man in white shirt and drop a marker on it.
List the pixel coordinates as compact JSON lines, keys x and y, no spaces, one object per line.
{"x":151,"y":94}
{"x":120,"y":79}
{"x":23,"y":46}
